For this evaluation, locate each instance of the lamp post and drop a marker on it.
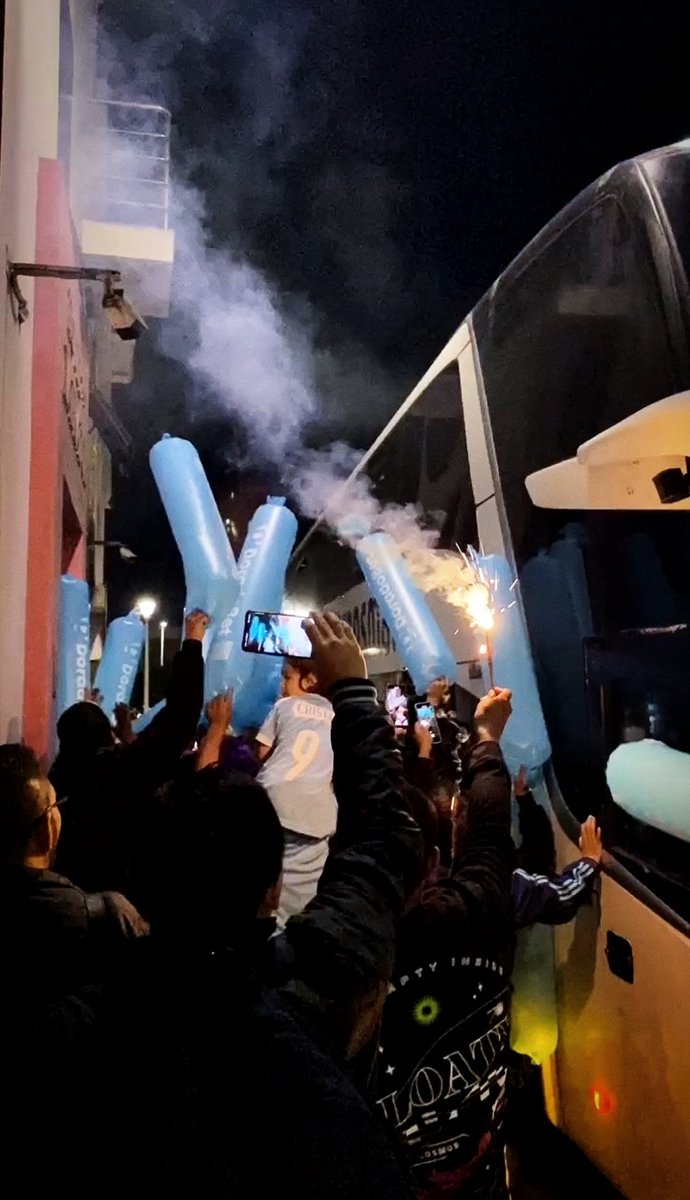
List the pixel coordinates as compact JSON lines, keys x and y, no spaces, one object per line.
{"x":146,"y":607}
{"x":163,"y":625}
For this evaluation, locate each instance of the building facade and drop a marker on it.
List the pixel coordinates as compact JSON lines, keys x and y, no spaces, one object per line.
{"x":83,"y":182}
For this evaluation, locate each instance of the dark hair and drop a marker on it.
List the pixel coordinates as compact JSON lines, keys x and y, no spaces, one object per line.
{"x":303,"y":666}
{"x":20,"y":803}
{"x":83,"y":730}
{"x":221,"y":849}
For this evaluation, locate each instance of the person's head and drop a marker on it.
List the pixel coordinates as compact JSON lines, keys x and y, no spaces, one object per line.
{"x":299,"y":677}
{"x":29,"y":816}
{"x":84,"y":729}
{"x":219,"y":861}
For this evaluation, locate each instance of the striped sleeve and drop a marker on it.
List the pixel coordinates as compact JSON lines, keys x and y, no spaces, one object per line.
{"x":553,"y":899}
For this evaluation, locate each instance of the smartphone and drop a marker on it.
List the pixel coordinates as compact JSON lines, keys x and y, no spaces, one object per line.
{"x":279,"y":634}
{"x":426,"y":715}
{"x":399,"y":713}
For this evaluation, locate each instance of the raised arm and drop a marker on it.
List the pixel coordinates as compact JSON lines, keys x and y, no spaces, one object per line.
{"x":219,"y":714}
{"x":553,"y":899}
{"x":344,"y":942}
{"x":159,"y":747}
{"x":477,"y":892}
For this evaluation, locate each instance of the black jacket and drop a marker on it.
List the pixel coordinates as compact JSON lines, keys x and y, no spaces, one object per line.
{"x":106,"y":821}
{"x":228,"y":1087}
{"x":54,"y":939}
{"x":441,"y":1066}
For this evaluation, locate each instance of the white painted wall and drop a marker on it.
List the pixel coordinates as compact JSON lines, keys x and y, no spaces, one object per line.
{"x":29,"y":132}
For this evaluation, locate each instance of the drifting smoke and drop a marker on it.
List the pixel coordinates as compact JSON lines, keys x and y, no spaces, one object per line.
{"x":258,"y":353}
{"x":327,"y":489}
{"x":253,"y":357}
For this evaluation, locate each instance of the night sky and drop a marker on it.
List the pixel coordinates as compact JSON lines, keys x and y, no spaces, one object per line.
{"x":381,"y":163}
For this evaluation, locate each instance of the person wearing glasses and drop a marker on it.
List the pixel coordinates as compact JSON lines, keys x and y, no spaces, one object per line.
{"x":53,"y":936}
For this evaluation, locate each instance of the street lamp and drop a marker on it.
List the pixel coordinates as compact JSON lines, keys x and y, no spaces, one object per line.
{"x":163,"y":625}
{"x":146,"y":607}
{"x":125,"y":552}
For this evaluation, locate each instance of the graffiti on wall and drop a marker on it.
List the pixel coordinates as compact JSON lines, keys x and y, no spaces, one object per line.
{"x":74,"y":384}
{"x":368,"y":626}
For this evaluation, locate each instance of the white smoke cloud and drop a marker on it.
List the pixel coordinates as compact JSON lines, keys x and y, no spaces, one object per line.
{"x":259,"y":353}
{"x":326,"y":489}
{"x":256,"y":359}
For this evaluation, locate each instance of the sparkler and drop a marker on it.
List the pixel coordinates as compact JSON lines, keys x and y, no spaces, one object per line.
{"x":476,"y":596}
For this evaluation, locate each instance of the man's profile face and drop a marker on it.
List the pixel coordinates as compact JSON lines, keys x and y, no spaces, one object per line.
{"x":49,"y":820}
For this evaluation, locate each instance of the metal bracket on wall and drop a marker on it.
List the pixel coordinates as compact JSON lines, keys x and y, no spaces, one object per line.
{"x":109,"y":278}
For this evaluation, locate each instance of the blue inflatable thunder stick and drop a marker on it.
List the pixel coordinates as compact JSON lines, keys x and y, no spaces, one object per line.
{"x":146,"y":718}
{"x":73,"y":675}
{"x":261,"y":569}
{"x":525,"y":741}
{"x":210,"y":570}
{"x":258,"y":695}
{"x":119,"y":664}
{"x":418,"y":639}
{"x":651,"y":782}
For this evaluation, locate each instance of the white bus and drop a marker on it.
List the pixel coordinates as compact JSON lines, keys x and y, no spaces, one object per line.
{"x":588,"y":326}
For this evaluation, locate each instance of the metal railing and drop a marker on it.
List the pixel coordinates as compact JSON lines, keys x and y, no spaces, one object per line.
{"x":128,"y":163}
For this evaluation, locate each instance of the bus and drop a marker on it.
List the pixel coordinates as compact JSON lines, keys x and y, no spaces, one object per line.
{"x":514,"y":434}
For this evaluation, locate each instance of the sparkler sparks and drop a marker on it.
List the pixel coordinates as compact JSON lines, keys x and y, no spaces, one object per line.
{"x":475,"y":595}
{"x":465,"y":583}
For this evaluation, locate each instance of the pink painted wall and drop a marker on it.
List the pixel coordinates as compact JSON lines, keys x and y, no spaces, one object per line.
{"x":50,"y":448}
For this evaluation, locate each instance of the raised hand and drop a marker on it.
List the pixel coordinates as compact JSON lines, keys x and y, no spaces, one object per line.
{"x":520,"y":782}
{"x":424,"y":740}
{"x":219,"y":711}
{"x":492,"y":713}
{"x":337,"y":653}
{"x":590,"y":840}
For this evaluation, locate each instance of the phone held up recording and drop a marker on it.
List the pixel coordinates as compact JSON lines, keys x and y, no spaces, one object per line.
{"x":426,"y":715}
{"x":277,"y":634}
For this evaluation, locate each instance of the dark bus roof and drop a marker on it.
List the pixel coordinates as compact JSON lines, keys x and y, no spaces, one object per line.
{"x":634,"y":178}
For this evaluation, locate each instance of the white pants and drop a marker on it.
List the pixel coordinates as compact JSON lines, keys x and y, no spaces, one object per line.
{"x":303,"y":862}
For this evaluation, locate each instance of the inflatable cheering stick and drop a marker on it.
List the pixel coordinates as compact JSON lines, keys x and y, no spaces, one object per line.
{"x":262,"y":566}
{"x":119,"y":664}
{"x":418,"y":639}
{"x":525,"y":741}
{"x":73,"y":674}
{"x":210,"y":570}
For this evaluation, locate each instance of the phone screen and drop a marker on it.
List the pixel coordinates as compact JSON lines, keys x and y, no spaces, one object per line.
{"x":279,"y":634}
{"x":426,"y":715}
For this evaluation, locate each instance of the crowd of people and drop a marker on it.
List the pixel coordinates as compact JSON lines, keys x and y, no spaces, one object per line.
{"x":268,"y":966}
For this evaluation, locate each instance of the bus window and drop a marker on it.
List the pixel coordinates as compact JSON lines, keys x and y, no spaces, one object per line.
{"x":669,"y":172}
{"x":424,"y":461}
{"x":573,"y":342}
